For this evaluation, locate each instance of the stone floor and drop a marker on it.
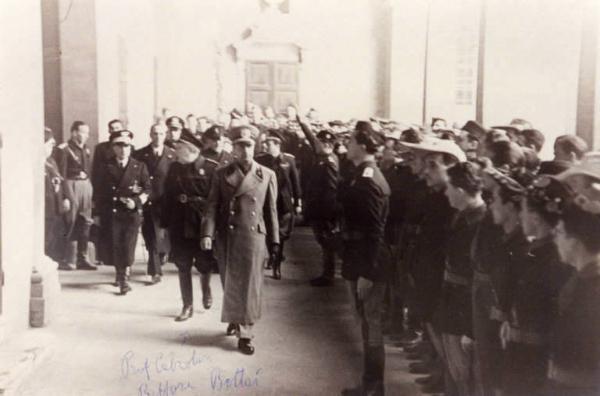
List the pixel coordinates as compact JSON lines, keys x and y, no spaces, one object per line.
{"x":306,"y":344}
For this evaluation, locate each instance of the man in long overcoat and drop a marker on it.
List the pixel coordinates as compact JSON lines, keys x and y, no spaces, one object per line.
{"x":242,"y":215}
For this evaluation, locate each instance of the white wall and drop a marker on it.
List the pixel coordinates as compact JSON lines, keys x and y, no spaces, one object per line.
{"x":532,"y":64}
{"x":129,"y":26}
{"x":338,"y":76}
{"x":21,"y":126}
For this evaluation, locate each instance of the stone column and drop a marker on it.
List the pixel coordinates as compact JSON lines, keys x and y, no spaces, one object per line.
{"x":70,"y":78}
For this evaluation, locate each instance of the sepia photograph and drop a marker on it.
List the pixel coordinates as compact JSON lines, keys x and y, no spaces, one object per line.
{"x":299,"y":197}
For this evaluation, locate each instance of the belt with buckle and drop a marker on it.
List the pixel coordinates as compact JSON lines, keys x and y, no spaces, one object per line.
{"x":80,"y":176}
{"x":184,"y":198}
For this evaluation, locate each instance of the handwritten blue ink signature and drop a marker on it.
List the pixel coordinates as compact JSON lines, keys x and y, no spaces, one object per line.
{"x":240,"y":379}
{"x":165,"y":388}
{"x":162,"y":363}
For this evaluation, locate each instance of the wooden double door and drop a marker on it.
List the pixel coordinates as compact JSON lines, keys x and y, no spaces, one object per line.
{"x":272,"y":84}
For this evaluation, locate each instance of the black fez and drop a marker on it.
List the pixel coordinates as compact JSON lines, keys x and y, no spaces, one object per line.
{"x":191,"y":138}
{"x":367,"y":136}
{"x":215,"y":132}
{"x":326,"y":136}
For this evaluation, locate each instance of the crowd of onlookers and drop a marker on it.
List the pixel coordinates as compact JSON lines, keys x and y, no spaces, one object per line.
{"x":489,"y":258}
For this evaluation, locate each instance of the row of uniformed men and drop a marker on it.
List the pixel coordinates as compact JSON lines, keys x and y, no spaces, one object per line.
{"x":498,"y":261}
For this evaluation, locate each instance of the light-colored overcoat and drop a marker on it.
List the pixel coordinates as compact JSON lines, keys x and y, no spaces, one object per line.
{"x":241,"y":215}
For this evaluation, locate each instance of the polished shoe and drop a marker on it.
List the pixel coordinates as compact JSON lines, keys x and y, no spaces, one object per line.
{"x":321,"y":281}
{"x":66,"y":267}
{"x":125,"y":288}
{"x":155,"y":279}
{"x":232,"y":329}
{"x":186,"y":313}
{"x":206,"y":292}
{"x":428,"y":380}
{"x":410,"y":339}
{"x":86,"y":266}
{"x":421,"y":347}
{"x":245,"y":345}
{"x":277,"y":272}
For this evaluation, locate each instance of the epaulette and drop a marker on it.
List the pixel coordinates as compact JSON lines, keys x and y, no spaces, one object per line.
{"x":62,"y":146}
{"x":368,"y":172}
{"x":211,"y":161}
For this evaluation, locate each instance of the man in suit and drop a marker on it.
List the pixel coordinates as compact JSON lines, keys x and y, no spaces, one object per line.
{"x":158,"y":159}
{"x":124,"y":187}
{"x":73,"y":160}
{"x":288,"y":187}
{"x":242,"y":215}
{"x":187,"y":187}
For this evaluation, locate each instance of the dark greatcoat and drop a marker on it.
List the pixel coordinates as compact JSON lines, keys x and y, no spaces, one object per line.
{"x":288,"y":188}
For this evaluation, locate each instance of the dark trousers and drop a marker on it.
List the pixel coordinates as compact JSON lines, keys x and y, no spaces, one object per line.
{"x":488,"y":351}
{"x":187,"y":254}
{"x":525,"y":369}
{"x":370,"y":312}
{"x":153,"y":234}
{"x":123,"y":231}
{"x":324,"y":233}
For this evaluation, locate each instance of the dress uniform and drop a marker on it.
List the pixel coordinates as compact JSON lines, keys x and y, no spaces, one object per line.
{"x":320,"y":201}
{"x":73,"y":162}
{"x":241,"y":215}
{"x":158,"y":162}
{"x":215,"y":134}
{"x":187,"y":187}
{"x":365,"y":203}
{"x":288,"y":198}
{"x":124,"y":188}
